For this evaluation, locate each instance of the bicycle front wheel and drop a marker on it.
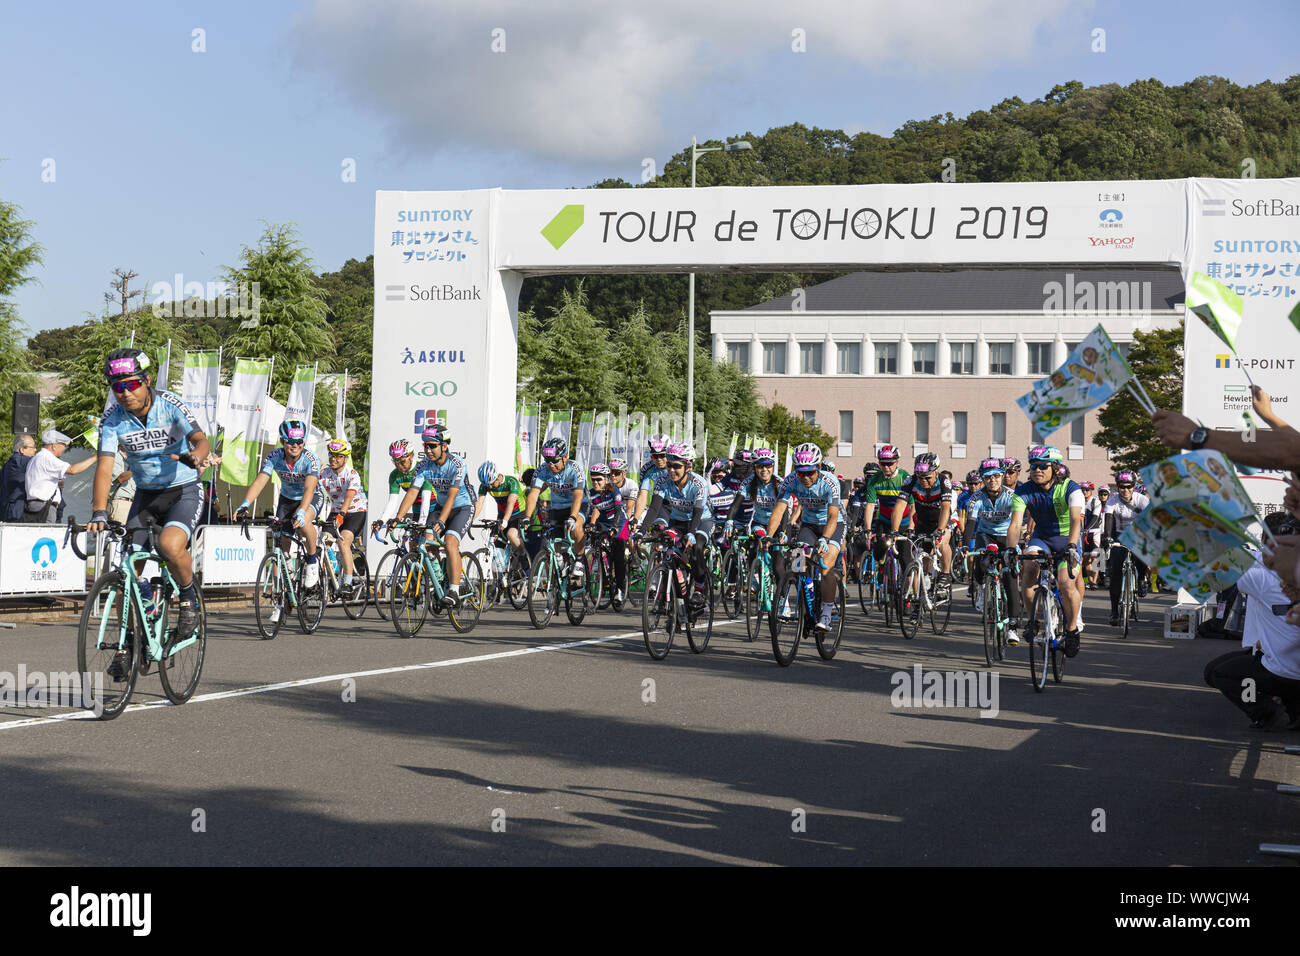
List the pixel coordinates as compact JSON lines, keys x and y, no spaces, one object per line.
{"x":109,"y":626}
{"x":577,"y":597}
{"x":1040,"y":646}
{"x":699,"y":621}
{"x":911,"y":602}
{"x":269,"y":597}
{"x":408,"y":599}
{"x":828,"y":641}
{"x":787,"y":619}
{"x":543,"y":590}
{"x":1127,"y":590}
{"x":989,"y":620}
{"x":657,"y":610}
{"x":383,"y":581}
{"x":182,"y":662}
{"x":756,"y":598}
{"x":473,"y":594}
{"x":355,"y":606}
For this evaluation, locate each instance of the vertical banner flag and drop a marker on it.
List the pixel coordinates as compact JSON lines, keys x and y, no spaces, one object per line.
{"x":248,"y":388}
{"x":1218,"y":307}
{"x":731,"y":452}
{"x":528,"y":435}
{"x":789,"y":459}
{"x":519,"y":434}
{"x":1092,"y":373}
{"x":586,"y":426}
{"x":163,"y":378}
{"x":600,"y":433}
{"x":340,"y":409}
{"x":618,"y":441}
{"x":200,"y":388}
{"x":636,"y":439}
{"x":558,"y":425}
{"x":302,"y":393}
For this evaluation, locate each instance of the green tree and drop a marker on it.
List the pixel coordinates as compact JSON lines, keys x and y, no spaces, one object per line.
{"x":574,"y":367}
{"x":1157,"y":362}
{"x":18,"y":254}
{"x":639,"y":371}
{"x":350,"y":302}
{"x":778,"y":425}
{"x":291,"y":323}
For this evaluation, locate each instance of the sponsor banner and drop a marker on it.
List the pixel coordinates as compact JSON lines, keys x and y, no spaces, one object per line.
{"x":33,"y":558}
{"x":340,"y":408}
{"x":528,"y":444}
{"x":302,"y":393}
{"x":600,"y":434}
{"x":586,"y":429}
{"x":1245,"y":235}
{"x":200,"y":388}
{"x":224,"y":556}
{"x":248,"y":398}
{"x":558,"y":425}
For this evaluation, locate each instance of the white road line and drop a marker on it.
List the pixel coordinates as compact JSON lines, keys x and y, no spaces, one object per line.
{"x":308,"y":681}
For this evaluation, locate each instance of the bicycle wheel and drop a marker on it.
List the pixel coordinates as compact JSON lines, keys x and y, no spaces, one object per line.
{"x":754,"y":597}
{"x":1058,"y":653}
{"x":828,"y":641}
{"x":517,"y":580}
{"x":183,"y":661}
{"x":269,"y":598}
{"x":101,"y":634}
{"x":473,"y":594}
{"x":355,"y":606}
{"x":543,"y":590}
{"x":941,"y":611}
{"x":699,"y":620}
{"x":383,"y":581}
{"x":1040,"y":646}
{"x":577,"y":598}
{"x":911,"y":603}
{"x":408,"y":599}
{"x":989,"y":620}
{"x":733,"y":575}
{"x":890,"y":596}
{"x":867,"y":588}
{"x":787,"y":619}
{"x":311,"y":601}
{"x":657,"y":610}
{"x":600,"y":580}
{"x":1125,"y":601}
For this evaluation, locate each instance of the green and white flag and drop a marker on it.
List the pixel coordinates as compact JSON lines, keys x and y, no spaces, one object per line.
{"x":163,"y":378}
{"x":558,"y":425}
{"x":600,"y":433}
{"x":302,"y":393}
{"x":200,"y":388}
{"x":340,"y":408}
{"x":731,"y":452}
{"x":243,"y":448}
{"x":1217,"y":305}
{"x":636,"y":440}
{"x":586,"y":429}
{"x":526,"y":437}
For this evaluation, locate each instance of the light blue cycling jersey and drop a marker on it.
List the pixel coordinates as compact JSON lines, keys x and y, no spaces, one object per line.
{"x":150,"y":444}
{"x":764,"y":501}
{"x":993,"y":517}
{"x":683,"y":501}
{"x":570,"y":479}
{"x":814,"y":501}
{"x":452,"y":473}
{"x":293,"y":480}
{"x":650,"y":474}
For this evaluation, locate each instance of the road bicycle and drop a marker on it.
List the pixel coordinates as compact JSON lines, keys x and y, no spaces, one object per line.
{"x":798,"y":602}
{"x":919,"y":596}
{"x":505,"y":565}
{"x":557,"y":574}
{"x":120,"y":626}
{"x":401,"y":538}
{"x":280,"y":576}
{"x":354,"y":599}
{"x":1047,"y":619}
{"x":673,"y":600}
{"x":1128,"y":592}
{"x":994,"y":620}
{"x":730,"y":579}
{"x":421,"y":581}
{"x":759,"y":587}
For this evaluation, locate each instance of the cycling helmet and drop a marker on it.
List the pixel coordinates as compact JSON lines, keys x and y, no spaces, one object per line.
{"x":339,"y":446}
{"x":764,"y":456}
{"x":887,"y":453}
{"x":870,"y":468}
{"x":858,"y":483}
{"x":1063,"y":471}
{"x":719,"y":464}
{"x":659,"y":444}
{"x":293,"y":429}
{"x":1039,"y":453}
{"x":807,"y":457}
{"x":555,"y":448}
{"x":973,"y":476}
{"x":600,"y":468}
{"x":617,"y":464}
{"x":991,"y":466}
{"x":926,"y":463}
{"x":1087,"y":485}
{"x":679,"y":452}
{"x":1125,"y":478}
{"x":125,"y":363}
{"x":1011,"y":464}
{"x":1054,"y":455}
{"x":828,"y":465}
{"x":434,"y":431}
{"x":399,"y":449}
{"x":487,"y":473}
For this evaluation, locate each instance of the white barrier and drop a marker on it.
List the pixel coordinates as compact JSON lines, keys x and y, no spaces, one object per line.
{"x":225,"y":557}
{"x":34,"y":560}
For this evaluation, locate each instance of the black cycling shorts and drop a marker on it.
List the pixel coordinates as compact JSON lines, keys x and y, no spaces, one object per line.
{"x":178,"y":507}
{"x":355,"y":522}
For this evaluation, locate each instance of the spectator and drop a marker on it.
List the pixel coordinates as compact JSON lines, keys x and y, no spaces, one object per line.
{"x":46,"y":472}
{"x":13,"y":479}
{"x":122,"y":491}
{"x":1268,"y":664}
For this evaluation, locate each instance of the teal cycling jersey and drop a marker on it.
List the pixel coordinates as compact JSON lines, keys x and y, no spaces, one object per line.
{"x":650,"y":474}
{"x":764,"y":498}
{"x":149,"y":444}
{"x":683,"y":501}
{"x":293,"y":478}
{"x":815,"y":501}
{"x":1050,"y":506}
{"x":451,"y":477}
{"x":563,"y":483}
{"x":993,"y":516}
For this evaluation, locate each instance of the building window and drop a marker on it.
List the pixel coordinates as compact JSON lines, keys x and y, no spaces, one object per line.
{"x":882,"y":428}
{"x":846,"y":426}
{"x":774,"y":358}
{"x":1076,"y":431}
{"x":959,"y":428}
{"x":738,"y":354}
{"x":1000,"y":358}
{"x":848,"y":358}
{"x":809,"y":416}
{"x":1040,"y":358}
{"x":923,"y":358}
{"x":999,"y":428}
{"x":923,"y":427}
{"x":887,"y":358}
{"x":963,"y":358}
{"x":810,"y":358}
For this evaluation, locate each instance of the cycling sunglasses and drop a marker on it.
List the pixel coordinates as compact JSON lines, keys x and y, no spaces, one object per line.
{"x":1126,"y":486}
{"x":1040,"y":463}
{"x":127,"y":385}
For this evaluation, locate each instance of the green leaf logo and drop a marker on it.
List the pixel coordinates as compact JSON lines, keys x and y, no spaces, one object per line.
{"x":566,"y":222}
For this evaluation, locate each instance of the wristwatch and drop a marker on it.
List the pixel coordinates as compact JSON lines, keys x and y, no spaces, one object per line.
{"x":1198,"y":438}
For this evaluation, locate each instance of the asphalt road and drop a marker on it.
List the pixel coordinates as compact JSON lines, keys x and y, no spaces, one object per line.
{"x":564,"y":754}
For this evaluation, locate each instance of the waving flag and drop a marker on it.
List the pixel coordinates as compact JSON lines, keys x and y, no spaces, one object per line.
{"x":1092,"y":373}
{"x":1217,"y":305}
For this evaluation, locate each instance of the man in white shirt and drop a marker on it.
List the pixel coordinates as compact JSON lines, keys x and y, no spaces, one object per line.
{"x":45,"y":473}
{"x":1269,"y":663}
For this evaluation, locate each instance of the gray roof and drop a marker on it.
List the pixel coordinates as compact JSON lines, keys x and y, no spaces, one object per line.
{"x":965,"y":290}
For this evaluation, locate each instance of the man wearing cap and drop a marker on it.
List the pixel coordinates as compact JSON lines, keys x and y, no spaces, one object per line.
{"x":13,"y":479}
{"x":45,"y":473}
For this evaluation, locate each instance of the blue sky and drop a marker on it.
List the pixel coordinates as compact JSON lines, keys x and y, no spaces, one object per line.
{"x":167,"y":160}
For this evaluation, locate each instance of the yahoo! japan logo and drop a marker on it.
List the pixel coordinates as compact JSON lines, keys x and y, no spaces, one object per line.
{"x":45,"y":544}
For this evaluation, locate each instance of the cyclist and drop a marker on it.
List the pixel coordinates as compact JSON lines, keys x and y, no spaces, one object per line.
{"x":347,"y":501}
{"x":164,"y":447}
{"x":722,"y":492}
{"x":930,"y":496}
{"x":1120,"y":511}
{"x":1093,"y":519}
{"x":757,"y":495}
{"x":686,"y":495}
{"x":609,"y":508}
{"x":883,"y":489}
{"x":507,"y":492}
{"x":1011,"y":468}
{"x":742,"y":466}
{"x":995,"y":514}
{"x":652,"y":471}
{"x":448,"y":475}
{"x":819,"y":524}
{"x":399,"y":480}
{"x":1056,"y":508}
{"x":300,"y":493}
{"x":567,"y":482}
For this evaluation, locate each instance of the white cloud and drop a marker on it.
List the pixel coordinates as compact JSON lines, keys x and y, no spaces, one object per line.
{"x":590,"y":79}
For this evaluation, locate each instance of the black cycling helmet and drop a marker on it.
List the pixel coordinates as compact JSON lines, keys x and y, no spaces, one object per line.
{"x":870,"y":468}
{"x":126,"y":363}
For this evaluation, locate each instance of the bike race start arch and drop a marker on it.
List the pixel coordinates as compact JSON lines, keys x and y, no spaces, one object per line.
{"x":449,"y":267}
